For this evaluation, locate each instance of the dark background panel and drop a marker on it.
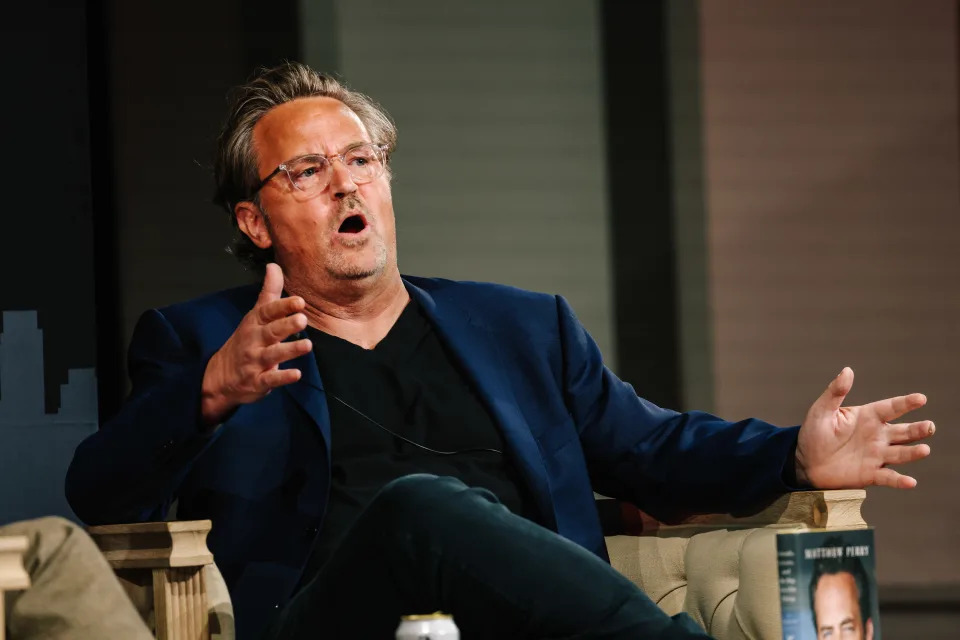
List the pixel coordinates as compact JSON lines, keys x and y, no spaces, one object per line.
{"x":640,"y":194}
{"x":47,"y":256}
{"x":167,"y":69}
{"x":48,"y":345}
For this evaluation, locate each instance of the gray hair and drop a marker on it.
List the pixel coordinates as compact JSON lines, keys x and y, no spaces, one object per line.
{"x":235,"y":161}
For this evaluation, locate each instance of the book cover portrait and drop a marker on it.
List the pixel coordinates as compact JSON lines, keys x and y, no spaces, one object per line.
{"x":828,"y":585}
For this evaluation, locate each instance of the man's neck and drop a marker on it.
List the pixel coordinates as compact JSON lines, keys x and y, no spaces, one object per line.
{"x":356,"y":311}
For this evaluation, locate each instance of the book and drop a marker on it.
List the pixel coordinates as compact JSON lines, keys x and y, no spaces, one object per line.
{"x":828,"y":586}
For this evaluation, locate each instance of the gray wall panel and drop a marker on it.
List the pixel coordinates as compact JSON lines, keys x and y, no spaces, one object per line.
{"x":499,"y":173}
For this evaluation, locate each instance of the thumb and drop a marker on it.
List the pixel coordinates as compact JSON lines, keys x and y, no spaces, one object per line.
{"x":832,"y":397}
{"x":272,"y":284}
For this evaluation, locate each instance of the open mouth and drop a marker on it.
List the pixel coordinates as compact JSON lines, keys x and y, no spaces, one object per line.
{"x":353,"y":224}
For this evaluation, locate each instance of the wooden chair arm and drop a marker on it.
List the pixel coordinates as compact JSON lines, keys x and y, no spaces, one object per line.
{"x":13,"y":575}
{"x":154,"y":545}
{"x":160,"y":564}
{"x":833,"y":509}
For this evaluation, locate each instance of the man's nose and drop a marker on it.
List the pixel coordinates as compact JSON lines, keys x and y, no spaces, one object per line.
{"x":341,"y":182}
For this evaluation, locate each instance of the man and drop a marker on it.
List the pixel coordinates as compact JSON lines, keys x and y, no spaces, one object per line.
{"x":840,"y":597}
{"x":330,"y":424}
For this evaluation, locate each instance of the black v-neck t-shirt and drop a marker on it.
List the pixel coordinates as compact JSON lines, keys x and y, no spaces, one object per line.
{"x":410,"y":384}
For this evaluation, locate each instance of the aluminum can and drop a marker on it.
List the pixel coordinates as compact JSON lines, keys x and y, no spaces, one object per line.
{"x":432,"y":626}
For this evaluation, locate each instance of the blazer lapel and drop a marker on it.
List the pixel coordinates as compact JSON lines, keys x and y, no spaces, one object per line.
{"x":308,"y":390}
{"x":480,"y":357}
{"x":308,"y":393}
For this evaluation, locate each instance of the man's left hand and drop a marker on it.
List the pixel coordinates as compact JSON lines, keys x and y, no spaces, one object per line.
{"x":851,"y":447}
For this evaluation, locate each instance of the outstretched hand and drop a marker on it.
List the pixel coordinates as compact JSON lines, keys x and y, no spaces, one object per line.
{"x":247,"y":366}
{"x":851,"y":447}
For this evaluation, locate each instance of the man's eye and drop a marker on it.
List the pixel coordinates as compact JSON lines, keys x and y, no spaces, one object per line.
{"x":307,"y":172}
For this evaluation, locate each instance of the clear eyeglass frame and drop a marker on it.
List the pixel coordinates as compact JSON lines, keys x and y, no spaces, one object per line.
{"x":311,"y":173}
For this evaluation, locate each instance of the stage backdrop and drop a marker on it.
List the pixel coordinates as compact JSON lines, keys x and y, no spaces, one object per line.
{"x":48,"y":391}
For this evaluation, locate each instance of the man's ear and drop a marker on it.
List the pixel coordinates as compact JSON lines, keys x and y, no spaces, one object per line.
{"x":868,"y":629}
{"x":253,"y":224}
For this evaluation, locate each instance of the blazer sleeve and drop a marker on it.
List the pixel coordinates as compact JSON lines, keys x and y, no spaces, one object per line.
{"x":669,"y":464}
{"x":129,"y":471}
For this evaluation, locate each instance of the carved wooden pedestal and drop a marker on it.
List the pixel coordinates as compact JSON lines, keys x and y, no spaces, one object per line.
{"x":160,"y":564}
{"x":12,"y":574}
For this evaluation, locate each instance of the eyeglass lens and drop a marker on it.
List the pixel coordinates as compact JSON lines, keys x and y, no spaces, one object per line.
{"x":312,"y":173}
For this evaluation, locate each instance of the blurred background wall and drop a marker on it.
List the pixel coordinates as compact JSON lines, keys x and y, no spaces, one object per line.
{"x":832,"y":184}
{"x":738,"y":197}
{"x":499,"y":173}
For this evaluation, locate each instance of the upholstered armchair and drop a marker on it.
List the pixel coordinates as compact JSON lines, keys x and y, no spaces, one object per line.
{"x":165,"y":568}
{"x":720,"y":569}
{"x":169,"y":574}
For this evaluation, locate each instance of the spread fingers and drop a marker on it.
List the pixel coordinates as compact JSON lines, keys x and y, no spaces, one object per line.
{"x":889,"y":478}
{"x":900,"y":454}
{"x":277,"y":378}
{"x":280,"y":352}
{"x":283,"y":328}
{"x":281,"y":308}
{"x":907,"y":433}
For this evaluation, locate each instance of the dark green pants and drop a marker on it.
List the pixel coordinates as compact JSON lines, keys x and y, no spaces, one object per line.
{"x":428,"y":543}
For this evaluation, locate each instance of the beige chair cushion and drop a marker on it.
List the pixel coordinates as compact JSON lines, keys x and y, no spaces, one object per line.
{"x":726,"y":579}
{"x":218,"y":605}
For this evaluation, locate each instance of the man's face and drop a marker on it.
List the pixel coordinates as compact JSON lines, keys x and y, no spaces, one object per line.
{"x":343,"y":232}
{"x":837,"y":607}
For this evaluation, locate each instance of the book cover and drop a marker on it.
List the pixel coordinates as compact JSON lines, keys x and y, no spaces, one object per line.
{"x":828,"y":586}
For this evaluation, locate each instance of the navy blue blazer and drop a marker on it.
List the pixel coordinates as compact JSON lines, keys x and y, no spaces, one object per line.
{"x":262,"y":477}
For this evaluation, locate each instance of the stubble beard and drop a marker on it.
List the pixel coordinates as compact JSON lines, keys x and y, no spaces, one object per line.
{"x":340,"y":266}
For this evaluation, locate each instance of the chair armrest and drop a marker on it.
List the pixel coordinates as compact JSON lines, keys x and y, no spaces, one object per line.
{"x":13,"y":576}
{"x":154,"y":545}
{"x":833,"y":509}
{"x":161,"y":566}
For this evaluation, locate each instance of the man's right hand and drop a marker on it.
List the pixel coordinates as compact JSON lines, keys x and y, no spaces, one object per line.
{"x":246,"y":368}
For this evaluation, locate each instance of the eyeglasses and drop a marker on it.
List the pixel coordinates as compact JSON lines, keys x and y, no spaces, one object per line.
{"x":312,"y":173}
